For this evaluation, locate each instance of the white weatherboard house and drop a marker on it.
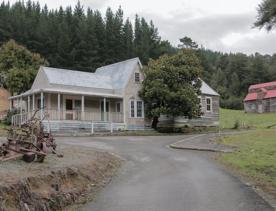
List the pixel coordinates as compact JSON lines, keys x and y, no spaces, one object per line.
{"x":82,"y":100}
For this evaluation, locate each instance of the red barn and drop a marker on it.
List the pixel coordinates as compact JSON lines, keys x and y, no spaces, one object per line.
{"x":261,"y":98}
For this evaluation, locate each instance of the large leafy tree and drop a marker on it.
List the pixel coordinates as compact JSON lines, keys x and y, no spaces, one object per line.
{"x":266,"y":14}
{"x":18,"y":66}
{"x":172,"y":85}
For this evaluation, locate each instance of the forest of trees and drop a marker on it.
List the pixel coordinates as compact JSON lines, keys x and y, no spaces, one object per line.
{"x":77,"y":39}
{"x":73,"y":38}
{"x":231,"y":74}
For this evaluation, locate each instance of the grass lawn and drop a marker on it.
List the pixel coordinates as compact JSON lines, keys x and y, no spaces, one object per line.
{"x":256,"y":157}
{"x":228,"y":118}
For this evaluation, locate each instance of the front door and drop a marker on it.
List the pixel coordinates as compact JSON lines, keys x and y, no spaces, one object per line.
{"x":107,"y":111}
{"x":72,"y":109}
{"x":69,"y":113}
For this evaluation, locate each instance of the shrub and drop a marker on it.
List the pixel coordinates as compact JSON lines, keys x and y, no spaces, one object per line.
{"x":10,"y":113}
{"x":236,"y":124}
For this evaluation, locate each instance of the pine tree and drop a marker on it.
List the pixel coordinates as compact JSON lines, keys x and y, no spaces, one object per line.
{"x":128,"y":45}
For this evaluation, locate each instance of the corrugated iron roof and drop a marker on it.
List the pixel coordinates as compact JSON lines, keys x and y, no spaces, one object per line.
{"x":262,"y":85}
{"x":77,"y":78}
{"x":119,"y":72}
{"x":251,"y":96}
{"x":270,"y":94}
{"x":114,"y":76}
{"x":206,"y":89}
{"x":254,"y":95}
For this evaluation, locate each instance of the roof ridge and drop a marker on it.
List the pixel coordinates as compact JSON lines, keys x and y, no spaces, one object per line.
{"x":262,"y":85}
{"x":113,"y":64}
{"x":77,"y":72}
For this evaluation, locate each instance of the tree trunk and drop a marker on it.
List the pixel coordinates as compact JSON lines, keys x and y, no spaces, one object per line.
{"x":154,"y":122}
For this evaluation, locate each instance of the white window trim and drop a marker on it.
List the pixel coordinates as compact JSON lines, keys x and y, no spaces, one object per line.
{"x":211,"y":104}
{"x":135,"y":109}
{"x":142,"y":109}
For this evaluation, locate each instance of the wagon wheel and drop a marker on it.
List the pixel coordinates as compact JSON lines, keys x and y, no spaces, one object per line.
{"x":29,"y":157}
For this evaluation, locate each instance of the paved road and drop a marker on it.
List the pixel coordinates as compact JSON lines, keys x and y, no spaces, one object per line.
{"x":157,"y":178}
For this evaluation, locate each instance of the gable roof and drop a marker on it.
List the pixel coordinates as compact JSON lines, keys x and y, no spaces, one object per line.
{"x":114,"y":76}
{"x":76,"y":78}
{"x":119,"y":73}
{"x":262,"y":85}
{"x":206,"y":89}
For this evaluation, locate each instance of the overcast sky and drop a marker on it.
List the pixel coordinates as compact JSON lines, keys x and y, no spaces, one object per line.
{"x":224,"y":25}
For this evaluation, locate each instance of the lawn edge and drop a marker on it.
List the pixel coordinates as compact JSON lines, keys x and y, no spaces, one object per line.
{"x":246,"y":180}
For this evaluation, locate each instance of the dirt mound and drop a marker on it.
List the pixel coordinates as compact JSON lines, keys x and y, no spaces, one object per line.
{"x":55,"y":189}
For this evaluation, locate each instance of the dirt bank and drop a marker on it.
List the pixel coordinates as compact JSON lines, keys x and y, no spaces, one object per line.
{"x":58,"y":182}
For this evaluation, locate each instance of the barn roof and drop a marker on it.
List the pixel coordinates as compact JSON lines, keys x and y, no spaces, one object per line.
{"x":262,"y":85}
{"x":254,"y":96}
{"x":251,"y":96}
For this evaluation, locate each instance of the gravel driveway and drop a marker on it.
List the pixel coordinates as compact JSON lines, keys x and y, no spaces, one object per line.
{"x":158,"y":178}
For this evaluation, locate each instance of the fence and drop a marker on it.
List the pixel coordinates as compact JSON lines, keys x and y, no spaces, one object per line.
{"x":73,"y":115}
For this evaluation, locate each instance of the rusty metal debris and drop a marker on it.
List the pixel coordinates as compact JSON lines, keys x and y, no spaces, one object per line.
{"x":29,"y":141}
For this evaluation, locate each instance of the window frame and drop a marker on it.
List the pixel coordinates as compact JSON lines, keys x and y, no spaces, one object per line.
{"x":133,"y":109}
{"x":142,"y":109}
{"x":211,"y":102}
{"x":139,"y":78}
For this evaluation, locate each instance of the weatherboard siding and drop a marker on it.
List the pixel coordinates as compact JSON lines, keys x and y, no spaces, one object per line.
{"x":260,"y":106}
{"x":132,"y":93}
{"x":208,"y":119}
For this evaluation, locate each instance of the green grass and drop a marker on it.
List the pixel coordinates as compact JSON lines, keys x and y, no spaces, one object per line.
{"x":256,"y":156}
{"x":228,"y":118}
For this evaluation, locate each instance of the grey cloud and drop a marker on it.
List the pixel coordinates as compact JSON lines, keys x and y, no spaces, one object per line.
{"x":204,"y":28}
{"x":94,"y":4}
{"x":265,"y":44}
{"x":208,"y":30}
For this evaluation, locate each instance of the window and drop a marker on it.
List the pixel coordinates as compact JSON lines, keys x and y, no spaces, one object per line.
{"x":137,"y":77}
{"x":118,"y":107}
{"x":253,"y":106}
{"x":139,"y":109}
{"x":136,"y":109}
{"x":209,"y":104}
{"x":69,"y":104}
{"x":78,"y":105}
{"x":132,"y":109}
